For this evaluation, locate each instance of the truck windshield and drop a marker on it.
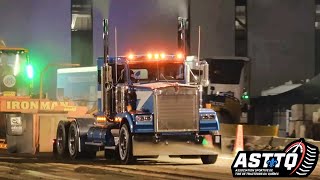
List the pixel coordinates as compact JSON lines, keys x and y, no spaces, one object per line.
{"x":162,"y":71}
{"x":12,"y":63}
{"x":13,"y":72}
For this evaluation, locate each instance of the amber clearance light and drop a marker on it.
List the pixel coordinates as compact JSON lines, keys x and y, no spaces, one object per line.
{"x":163,"y":55}
{"x":149,"y":55}
{"x":101,"y":119}
{"x":179,"y":55}
{"x":156,"y":56}
{"x":130,"y":56}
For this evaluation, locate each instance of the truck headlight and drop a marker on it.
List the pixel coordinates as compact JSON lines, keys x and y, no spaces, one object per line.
{"x":207,"y":116}
{"x":143,"y":118}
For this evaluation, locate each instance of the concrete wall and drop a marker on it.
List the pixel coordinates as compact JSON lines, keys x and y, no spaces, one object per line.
{"x":280,"y":41}
{"x":216,"y":18}
{"x":42,"y":26}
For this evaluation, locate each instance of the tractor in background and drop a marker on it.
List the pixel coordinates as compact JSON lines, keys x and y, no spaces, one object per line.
{"x":228,"y":92}
{"x":16,"y":75}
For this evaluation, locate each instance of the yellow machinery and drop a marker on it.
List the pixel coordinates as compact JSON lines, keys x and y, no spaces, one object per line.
{"x":27,"y":124}
{"x":227,"y":95}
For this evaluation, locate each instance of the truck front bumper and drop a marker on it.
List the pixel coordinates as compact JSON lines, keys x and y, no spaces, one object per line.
{"x":148,"y":145}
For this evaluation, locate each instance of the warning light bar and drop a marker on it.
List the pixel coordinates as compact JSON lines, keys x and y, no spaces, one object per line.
{"x":156,"y":56}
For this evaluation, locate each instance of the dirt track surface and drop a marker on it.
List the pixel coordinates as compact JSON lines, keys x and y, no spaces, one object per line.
{"x":46,"y":167}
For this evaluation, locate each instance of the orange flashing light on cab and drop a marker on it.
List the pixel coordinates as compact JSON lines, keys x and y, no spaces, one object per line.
{"x":163,"y":55}
{"x":179,"y":55}
{"x":156,"y":56}
{"x":130,"y":56}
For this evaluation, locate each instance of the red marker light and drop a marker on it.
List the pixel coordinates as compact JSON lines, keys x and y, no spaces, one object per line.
{"x":156,"y":56}
{"x":149,"y":55}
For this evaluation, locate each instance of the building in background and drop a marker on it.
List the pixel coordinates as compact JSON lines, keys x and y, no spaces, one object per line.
{"x":265,"y":31}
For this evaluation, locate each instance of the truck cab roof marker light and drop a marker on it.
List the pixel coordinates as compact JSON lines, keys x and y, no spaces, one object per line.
{"x":151,"y":56}
{"x":131,"y":56}
{"x":156,"y":56}
{"x":163,"y":55}
{"x":179,"y":56}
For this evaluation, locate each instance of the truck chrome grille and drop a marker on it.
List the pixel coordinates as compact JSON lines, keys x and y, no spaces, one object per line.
{"x":177,"y":110}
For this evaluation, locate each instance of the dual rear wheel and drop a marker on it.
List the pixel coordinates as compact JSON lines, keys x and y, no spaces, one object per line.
{"x":68,"y":142}
{"x":61,"y":144}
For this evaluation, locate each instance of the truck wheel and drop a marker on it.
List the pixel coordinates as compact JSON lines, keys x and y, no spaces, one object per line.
{"x":73,"y":141}
{"x":209,"y":159}
{"x":61,"y":145}
{"x":125,"y":145}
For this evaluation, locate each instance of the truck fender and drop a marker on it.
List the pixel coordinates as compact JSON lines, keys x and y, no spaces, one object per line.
{"x":83,"y":125}
{"x":128,"y":118}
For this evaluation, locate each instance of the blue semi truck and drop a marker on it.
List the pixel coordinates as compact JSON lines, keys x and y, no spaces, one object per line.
{"x":148,"y":105}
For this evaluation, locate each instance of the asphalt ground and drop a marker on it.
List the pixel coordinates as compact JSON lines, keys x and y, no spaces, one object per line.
{"x":44,"y":166}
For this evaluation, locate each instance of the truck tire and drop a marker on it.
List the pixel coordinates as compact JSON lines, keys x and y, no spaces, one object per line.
{"x":209,"y":159}
{"x":73,"y":141}
{"x":125,"y":145}
{"x":61,"y":145}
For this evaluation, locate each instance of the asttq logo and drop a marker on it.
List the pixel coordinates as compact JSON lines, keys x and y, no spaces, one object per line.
{"x":298,"y":159}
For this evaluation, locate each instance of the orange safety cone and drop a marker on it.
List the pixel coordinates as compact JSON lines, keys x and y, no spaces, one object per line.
{"x":238,"y":145}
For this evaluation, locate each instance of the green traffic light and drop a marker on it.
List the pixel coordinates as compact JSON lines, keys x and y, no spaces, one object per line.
{"x":245,"y":95}
{"x":30,"y":71}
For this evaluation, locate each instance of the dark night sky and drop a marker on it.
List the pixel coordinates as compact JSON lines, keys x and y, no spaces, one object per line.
{"x":36,"y":25}
{"x":145,"y":25}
